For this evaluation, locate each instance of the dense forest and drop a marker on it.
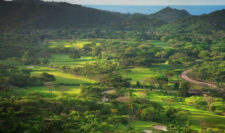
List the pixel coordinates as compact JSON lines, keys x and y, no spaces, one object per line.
{"x":67,"y":68}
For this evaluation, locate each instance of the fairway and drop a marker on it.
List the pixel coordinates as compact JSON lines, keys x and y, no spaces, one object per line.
{"x":65,"y":60}
{"x":69,"y":43}
{"x":196,"y":116}
{"x":142,"y":125}
{"x":141,"y":73}
{"x":65,"y":84}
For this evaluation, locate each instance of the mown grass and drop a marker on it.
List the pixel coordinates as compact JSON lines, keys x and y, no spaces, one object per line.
{"x":139,"y":74}
{"x":67,"y":79}
{"x":141,"y":125}
{"x":66,"y":60}
{"x":159,"y":43}
{"x":197,"y":117}
{"x":70,"y":43}
{"x":61,"y":77}
{"x":138,"y":126}
{"x":65,"y":84}
{"x":43,"y":91}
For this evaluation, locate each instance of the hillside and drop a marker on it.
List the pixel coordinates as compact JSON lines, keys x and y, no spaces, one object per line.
{"x":201,"y":24}
{"x":169,"y":14}
{"x":139,"y":22}
{"x":37,"y":14}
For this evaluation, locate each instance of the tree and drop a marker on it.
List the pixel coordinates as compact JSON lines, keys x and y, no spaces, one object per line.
{"x":19,"y":77}
{"x":150,"y":114}
{"x":47,"y":77}
{"x":174,"y":63}
{"x":161,"y":80}
{"x":44,"y":61}
{"x":90,"y":90}
{"x":204,"y":54}
{"x":130,"y":52}
{"x":88,"y":48}
{"x":176,"y":85}
{"x":28,"y":58}
{"x":115,"y":80}
{"x":209,"y":100}
{"x":184,"y":89}
{"x":138,"y":84}
{"x":75,"y":54}
{"x":35,"y":81}
{"x":97,"y":51}
{"x":117,"y":120}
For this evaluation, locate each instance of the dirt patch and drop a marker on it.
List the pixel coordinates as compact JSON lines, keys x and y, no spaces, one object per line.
{"x":104,"y":99}
{"x":147,"y":131}
{"x":109,"y":92}
{"x":160,"y":127}
{"x":125,"y":99}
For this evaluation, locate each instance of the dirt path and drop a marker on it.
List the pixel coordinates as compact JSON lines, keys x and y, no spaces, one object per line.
{"x":147,"y":131}
{"x":160,"y":127}
{"x":157,"y":128}
{"x":184,"y":76}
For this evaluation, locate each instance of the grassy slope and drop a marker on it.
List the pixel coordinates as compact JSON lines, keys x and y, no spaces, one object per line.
{"x":65,"y":84}
{"x":196,"y":115}
{"x":141,"y":73}
{"x":69,"y":43}
{"x":65,"y":60}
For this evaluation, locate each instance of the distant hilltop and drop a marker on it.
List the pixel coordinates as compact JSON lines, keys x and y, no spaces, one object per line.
{"x":36,"y":14}
{"x":149,"y":9}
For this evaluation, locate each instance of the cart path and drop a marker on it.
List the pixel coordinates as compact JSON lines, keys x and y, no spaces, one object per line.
{"x":184,"y":76}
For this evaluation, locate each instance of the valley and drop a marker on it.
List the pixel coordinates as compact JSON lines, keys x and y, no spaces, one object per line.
{"x":67,"y":68}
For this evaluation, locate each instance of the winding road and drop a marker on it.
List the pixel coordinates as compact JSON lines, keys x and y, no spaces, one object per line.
{"x":184,"y":76}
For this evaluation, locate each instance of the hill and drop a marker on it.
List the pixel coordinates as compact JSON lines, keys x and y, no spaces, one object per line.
{"x":201,"y":24}
{"x":37,"y":14}
{"x":169,"y":14}
{"x":139,"y":22}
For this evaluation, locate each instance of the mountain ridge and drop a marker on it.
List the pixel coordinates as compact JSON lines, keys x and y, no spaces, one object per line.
{"x":169,"y":14}
{"x":53,"y":15}
{"x":202,"y":24}
{"x":36,"y":14}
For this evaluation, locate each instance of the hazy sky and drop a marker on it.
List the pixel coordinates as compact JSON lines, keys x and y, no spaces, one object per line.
{"x":146,"y":2}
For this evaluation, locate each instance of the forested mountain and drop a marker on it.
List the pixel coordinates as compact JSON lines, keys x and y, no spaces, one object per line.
{"x":168,"y":14}
{"x":36,"y":14}
{"x":200,"y":24}
{"x":139,"y":22}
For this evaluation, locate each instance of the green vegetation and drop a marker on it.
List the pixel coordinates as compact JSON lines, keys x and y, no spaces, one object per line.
{"x":90,"y":71}
{"x":65,"y":60}
{"x":158,"y":86}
